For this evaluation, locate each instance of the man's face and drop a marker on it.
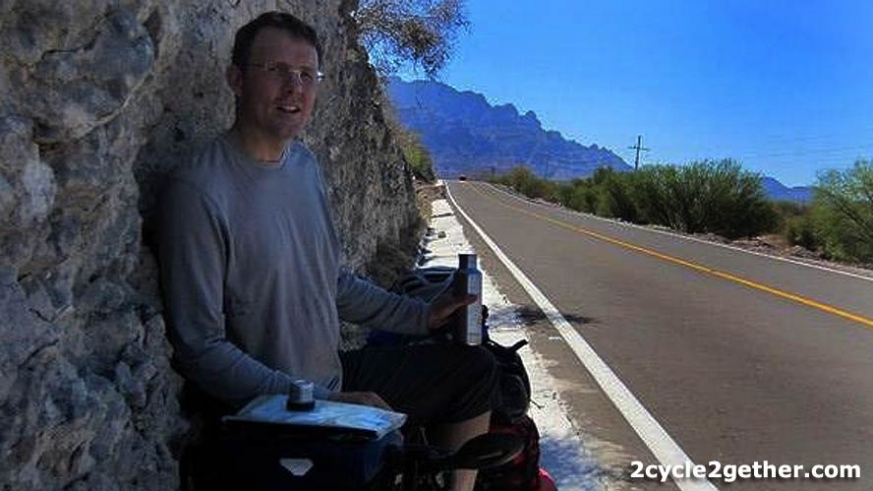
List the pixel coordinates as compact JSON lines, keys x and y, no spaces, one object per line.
{"x":276,"y":91}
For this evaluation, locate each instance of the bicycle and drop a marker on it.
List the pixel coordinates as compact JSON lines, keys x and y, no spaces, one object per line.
{"x":422,"y":467}
{"x":403,"y":466}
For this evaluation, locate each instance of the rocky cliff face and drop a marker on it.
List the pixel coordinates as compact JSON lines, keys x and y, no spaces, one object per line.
{"x":466,"y":134}
{"x":100,"y":98}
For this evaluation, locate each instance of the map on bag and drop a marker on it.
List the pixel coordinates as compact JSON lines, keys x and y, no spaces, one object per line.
{"x":327,"y":415}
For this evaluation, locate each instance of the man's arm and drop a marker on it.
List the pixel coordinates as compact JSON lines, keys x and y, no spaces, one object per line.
{"x":193,"y":248}
{"x":362,"y":302}
{"x":365,"y":303}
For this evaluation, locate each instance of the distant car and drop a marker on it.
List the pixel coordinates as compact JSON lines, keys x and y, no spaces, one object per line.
{"x":462,"y":177}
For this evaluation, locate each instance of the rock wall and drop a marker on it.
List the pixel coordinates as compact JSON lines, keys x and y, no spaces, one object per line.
{"x":101,"y":98}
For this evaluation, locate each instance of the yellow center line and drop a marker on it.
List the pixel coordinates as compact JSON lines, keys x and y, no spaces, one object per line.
{"x":703,"y":269}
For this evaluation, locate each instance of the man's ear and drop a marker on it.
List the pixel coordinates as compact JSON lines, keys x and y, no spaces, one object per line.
{"x":234,"y":77}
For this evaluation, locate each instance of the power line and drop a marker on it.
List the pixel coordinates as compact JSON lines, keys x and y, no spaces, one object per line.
{"x":639,"y":147}
{"x":822,"y":153}
{"x":783,"y":138}
{"x":805,"y":152}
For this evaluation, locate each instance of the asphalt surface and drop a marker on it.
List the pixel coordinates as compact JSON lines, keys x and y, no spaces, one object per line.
{"x":741,"y":358}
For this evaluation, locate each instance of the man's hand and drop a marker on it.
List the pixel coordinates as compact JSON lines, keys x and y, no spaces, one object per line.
{"x":442,"y":308}
{"x":361,"y":398}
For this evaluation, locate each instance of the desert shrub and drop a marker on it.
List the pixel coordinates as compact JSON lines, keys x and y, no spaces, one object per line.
{"x":616,"y":198}
{"x":705,"y":196}
{"x":416,"y":155}
{"x":843,"y":212}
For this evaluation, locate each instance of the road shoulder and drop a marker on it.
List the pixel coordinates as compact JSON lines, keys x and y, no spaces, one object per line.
{"x":579,"y":427}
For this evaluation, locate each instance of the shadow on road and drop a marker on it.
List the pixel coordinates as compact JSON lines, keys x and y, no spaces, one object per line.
{"x":530,"y":315}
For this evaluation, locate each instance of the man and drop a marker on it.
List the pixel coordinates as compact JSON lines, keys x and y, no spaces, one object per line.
{"x":250,"y":265}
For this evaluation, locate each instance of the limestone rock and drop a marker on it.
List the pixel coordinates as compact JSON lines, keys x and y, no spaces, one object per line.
{"x":100,"y":99}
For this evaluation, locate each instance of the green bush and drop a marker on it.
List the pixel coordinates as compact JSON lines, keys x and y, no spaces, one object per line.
{"x":523,"y":181}
{"x":583,"y":197}
{"x":843,"y":212}
{"x":796,"y":224}
{"x":417,"y":156}
{"x":654,"y":195}
{"x":800,"y":230}
{"x":706,"y":196}
{"x":617,"y":195}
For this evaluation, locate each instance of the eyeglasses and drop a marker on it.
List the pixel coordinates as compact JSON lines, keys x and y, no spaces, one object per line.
{"x":282,"y":72}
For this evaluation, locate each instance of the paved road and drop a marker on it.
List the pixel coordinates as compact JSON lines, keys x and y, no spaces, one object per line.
{"x":741,"y":358}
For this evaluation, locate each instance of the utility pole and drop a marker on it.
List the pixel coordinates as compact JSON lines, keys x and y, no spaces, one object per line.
{"x":639,"y":147}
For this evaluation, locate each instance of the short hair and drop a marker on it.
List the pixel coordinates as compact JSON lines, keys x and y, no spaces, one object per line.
{"x":294,"y":27}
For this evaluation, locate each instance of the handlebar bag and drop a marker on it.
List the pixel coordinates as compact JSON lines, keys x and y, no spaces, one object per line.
{"x":333,"y":447}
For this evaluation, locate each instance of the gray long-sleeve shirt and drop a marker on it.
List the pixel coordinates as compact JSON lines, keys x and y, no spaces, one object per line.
{"x":250,"y":267}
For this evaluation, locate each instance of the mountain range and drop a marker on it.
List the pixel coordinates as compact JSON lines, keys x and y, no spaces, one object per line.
{"x":779,"y":192}
{"x":466,"y":135}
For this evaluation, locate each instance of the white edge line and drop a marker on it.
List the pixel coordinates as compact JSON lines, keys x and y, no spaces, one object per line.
{"x":661,"y":444}
{"x":685,"y":237}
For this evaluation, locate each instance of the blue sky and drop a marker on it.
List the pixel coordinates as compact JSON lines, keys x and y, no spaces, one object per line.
{"x":785,"y":87}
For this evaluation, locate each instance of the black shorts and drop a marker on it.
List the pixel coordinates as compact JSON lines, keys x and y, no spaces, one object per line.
{"x":432,"y":383}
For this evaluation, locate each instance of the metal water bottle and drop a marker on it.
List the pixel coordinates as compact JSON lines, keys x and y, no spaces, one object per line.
{"x":468,"y":281}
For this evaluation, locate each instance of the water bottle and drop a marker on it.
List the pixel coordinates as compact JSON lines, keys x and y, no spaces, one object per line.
{"x":468,"y":281}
